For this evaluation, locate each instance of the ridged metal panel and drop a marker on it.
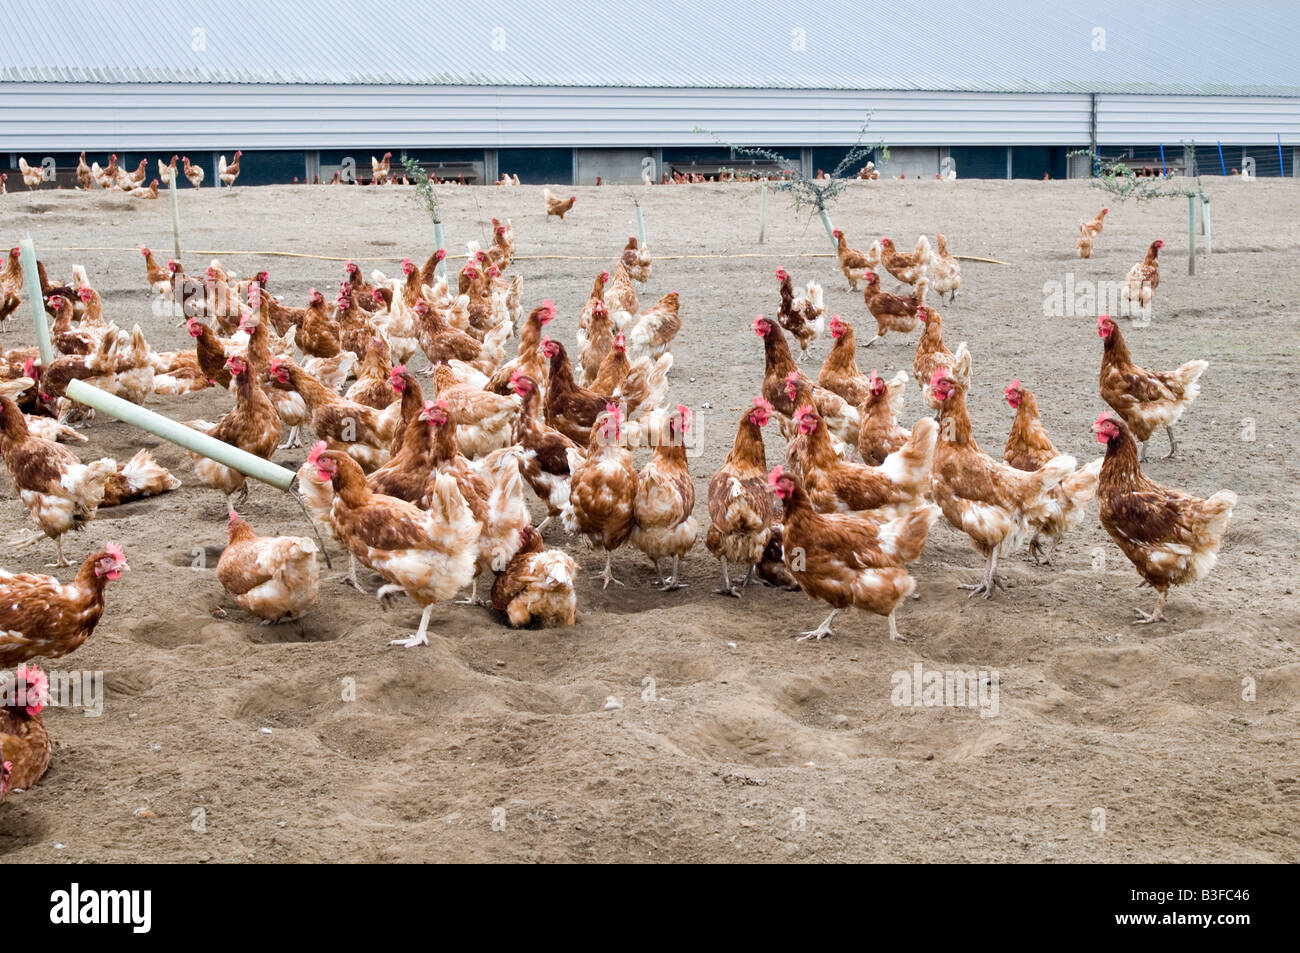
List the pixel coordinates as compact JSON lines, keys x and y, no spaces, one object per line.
{"x":1142,"y":120}
{"x":141,"y":117}
{"x":1161,"y":46}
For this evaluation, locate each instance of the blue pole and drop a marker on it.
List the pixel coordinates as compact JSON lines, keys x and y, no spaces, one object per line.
{"x":1280,"y":170}
{"x":1222,"y":168}
{"x":1164,"y":170}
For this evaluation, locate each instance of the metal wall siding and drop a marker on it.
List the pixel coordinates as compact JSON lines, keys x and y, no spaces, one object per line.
{"x":1143,"y":120}
{"x":133,"y":117}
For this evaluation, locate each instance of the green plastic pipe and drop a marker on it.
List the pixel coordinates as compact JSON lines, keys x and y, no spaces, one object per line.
{"x":1191,"y":234}
{"x":33,"y":279}
{"x":1205,"y":222}
{"x":441,"y":268}
{"x":176,"y":216}
{"x":640,"y":225}
{"x":168,"y":429}
{"x":830,"y":229}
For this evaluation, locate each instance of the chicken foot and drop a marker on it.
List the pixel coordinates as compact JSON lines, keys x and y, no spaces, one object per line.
{"x":421,"y":634}
{"x":673,"y":583}
{"x":608,"y":573}
{"x":351,"y":579}
{"x":1146,"y":618}
{"x":728,"y":588}
{"x":821,"y":631}
{"x":1173,"y":444}
{"x":990,"y":581}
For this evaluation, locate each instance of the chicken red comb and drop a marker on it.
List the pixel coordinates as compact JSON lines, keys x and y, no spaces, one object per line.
{"x":1102,"y":418}
{"x":620,"y":342}
{"x":838,"y":327}
{"x":115,"y":550}
{"x":805,"y":411}
{"x":604,"y":275}
{"x":939,"y":374}
{"x":762,"y":403}
{"x":792,"y":377}
{"x":548,"y":307}
{"x":781,"y":273}
{"x":1013,"y":386}
{"x":774,"y":477}
{"x":317,"y":449}
{"x":398,"y":370}
{"x":686,"y":415}
{"x":408,"y":266}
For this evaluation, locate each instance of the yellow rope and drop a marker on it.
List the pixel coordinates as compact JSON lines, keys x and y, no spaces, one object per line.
{"x":658,"y":257}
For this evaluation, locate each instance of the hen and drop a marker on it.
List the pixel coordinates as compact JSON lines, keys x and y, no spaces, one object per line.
{"x":665,"y":496}
{"x":252,"y":425}
{"x":484,"y":420}
{"x":839,"y":373}
{"x":59,"y":491}
{"x":25,"y":746}
{"x":428,"y":554}
{"x":847,"y":561}
{"x":740,"y":506}
{"x":361,"y":431}
{"x":989,"y":501}
{"x":778,"y":370}
{"x":570,"y":409}
{"x":803,"y":317}
{"x":932,"y":354}
{"x":853,"y":263}
{"x":1170,"y":537}
{"x":636,"y":259}
{"x":893,"y":312}
{"x":545,"y":459}
{"x":40,"y":616}
{"x":276,"y":578}
{"x":1143,"y":279}
{"x":227,"y":174}
{"x":1146,"y":400}
{"x":1029,"y":448}
{"x":880,"y":434}
{"x":537,"y":584}
{"x":649,"y":333}
{"x":557,"y":206}
{"x":602,"y":490}
{"x":946,"y":270}
{"x":906,"y":268}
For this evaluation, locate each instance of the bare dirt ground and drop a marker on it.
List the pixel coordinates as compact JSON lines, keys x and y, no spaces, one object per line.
{"x":753,"y":747}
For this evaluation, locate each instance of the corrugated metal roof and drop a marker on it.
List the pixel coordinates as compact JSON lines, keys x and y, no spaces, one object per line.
{"x":1191,"y":47}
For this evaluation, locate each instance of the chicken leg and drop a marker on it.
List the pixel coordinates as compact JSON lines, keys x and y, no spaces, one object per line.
{"x":421,"y":637}
{"x":1145,"y":618}
{"x":727,"y":588}
{"x":821,"y":631}
{"x":608,"y":574}
{"x":990,"y":581}
{"x":1173,"y":444}
{"x":351,"y":579}
{"x":673,"y":583}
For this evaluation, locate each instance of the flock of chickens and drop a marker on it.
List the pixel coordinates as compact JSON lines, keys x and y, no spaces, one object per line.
{"x":113,"y":177}
{"x":427,"y":489}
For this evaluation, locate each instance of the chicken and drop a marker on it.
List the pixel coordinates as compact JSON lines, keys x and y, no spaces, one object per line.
{"x":779,"y":366}
{"x":134,"y":369}
{"x":665,"y":496}
{"x":167,"y":171}
{"x":25,"y":746}
{"x":868,"y":172}
{"x":441,"y":342}
{"x":839,"y":373}
{"x":834,"y":485}
{"x":570,"y":409}
{"x":141,"y":192}
{"x":379,"y":169}
{"x":1029,"y":448}
{"x":192,"y":172}
{"x":893,"y":312}
{"x":619,"y":295}
{"x":84,"y":179}
{"x":537,"y":584}
{"x":141,"y":476}
{"x":428,"y":554}
{"x":637,"y":388}
{"x":530,"y":360}
{"x":847,"y":561}
{"x":545,"y":457}
{"x":906,"y":268}
{"x":741,"y":512}
{"x":407,"y":470}
{"x":275,"y":578}
{"x":484,"y":420}
{"x":946,"y":270}
{"x":636,"y":259}
{"x":595,"y":341}
{"x":1085,"y":242}
{"x":803,"y":317}
{"x":12,"y":280}
{"x":133,"y":180}
{"x":602,"y":490}
{"x":932,"y":353}
{"x":361,"y":431}
{"x":1170,"y":537}
{"x":649,"y":333}
{"x":880,"y":434}
{"x":1142,"y":280}
{"x":227,"y":174}
{"x":853,"y":263}
{"x":500,"y":506}
{"x":557,"y":206}
{"x":59,"y":491}
{"x":989,"y":501}
{"x":1146,"y":400}
{"x":1094,"y":225}
{"x":210,"y":353}
{"x":252,"y":425}
{"x":33,"y":176}
{"x":373,"y":386}
{"x":40,"y":616}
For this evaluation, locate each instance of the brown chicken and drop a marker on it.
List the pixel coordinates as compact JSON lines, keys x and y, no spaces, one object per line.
{"x":1142,"y":280}
{"x":276,"y":578}
{"x":741,"y":511}
{"x":847,"y":561}
{"x":570,"y":409}
{"x":839,"y":373}
{"x":662,"y":525}
{"x":252,"y":426}
{"x":602,"y":493}
{"x":906,"y":268}
{"x":1146,"y":400}
{"x":545,"y":459}
{"x":778,"y":368}
{"x":880,"y":434}
{"x":636,"y":259}
{"x":361,"y":431}
{"x":803,"y":317}
{"x":893,"y":312}
{"x":1171,"y":538}
{"x":932,"y":354}
{"x":853,"y":263}
{"x":25,"y":746}
{"x":557,"y":206}
{"x":537,"y":584}
{"x":40,"y":616}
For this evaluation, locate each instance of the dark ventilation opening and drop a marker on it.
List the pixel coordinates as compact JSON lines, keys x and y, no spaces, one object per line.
{"x":980,"y":162}
{"x":537,"y":166}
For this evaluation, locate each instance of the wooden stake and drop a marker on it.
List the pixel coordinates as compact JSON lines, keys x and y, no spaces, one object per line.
{"x":762,"y":210}
{"x":1191,"y":234}
{"x":176,"y":217}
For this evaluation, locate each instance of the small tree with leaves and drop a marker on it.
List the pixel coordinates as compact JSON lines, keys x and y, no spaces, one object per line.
{"x":426,"y":196}
{"x":811,"y":193}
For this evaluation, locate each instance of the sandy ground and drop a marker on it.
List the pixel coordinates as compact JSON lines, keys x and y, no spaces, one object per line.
{"x":224,"y":740}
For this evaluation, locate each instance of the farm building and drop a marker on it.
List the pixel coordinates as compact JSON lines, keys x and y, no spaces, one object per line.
{"x":573,"y":92}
